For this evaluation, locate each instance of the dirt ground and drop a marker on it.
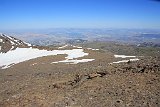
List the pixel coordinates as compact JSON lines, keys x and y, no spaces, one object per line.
{"x":38,"y":83}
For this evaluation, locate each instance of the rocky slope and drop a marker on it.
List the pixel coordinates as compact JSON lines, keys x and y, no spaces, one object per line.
{"x":98,"y":83}
{"x":9,"y":43}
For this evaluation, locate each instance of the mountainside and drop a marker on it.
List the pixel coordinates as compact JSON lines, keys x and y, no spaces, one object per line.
{"x":14,"y":51}
{"x":9,"y":43}
{"x":96,"y":74}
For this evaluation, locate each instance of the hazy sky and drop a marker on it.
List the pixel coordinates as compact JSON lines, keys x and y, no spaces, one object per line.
{"x":23,"y":14}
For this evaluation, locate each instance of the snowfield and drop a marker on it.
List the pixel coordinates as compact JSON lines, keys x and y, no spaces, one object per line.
{"x":23,"y":54}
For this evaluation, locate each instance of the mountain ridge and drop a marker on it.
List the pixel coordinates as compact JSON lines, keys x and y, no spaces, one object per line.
{"x":10,"y":43}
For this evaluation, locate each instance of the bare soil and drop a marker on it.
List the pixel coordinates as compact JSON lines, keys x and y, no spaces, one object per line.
{"x":38,"y":83}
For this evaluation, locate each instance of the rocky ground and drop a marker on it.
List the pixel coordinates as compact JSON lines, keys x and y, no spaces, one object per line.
{"x":37,"y":83}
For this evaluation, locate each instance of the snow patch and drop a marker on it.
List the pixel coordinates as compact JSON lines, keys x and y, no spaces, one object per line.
{"x":28,"y":44}
{"x":13,"y":43}
{"x":6,"y":66}
{"x":23,"y":54}
{"x":1,"y":40}
{"x":12,"y":40}
{"x":77,"y":47}
{"x":62,"y":47}
{"x":95,"y":49}
{"x":89,"y":48}
{"x":17,"y":42}
{"x":136,"y":59}
{"x":123,"y":56}
{"x":92,"y":49}
{"x":12,"y":48}
{"x":74,"y":61}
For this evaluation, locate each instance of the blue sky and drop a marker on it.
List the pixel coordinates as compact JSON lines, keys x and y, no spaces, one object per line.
{"x":37,"y":14}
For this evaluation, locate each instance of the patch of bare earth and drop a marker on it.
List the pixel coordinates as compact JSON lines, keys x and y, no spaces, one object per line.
{"x":38,"y":83}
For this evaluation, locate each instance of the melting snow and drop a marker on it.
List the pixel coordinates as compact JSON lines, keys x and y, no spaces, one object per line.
{"x":11,"y":40}
{"x":12,"y":48}
{"x":123,"y":56}
{"x":23,"y":54}
{"x":136,"y":59}
{"x":89,"y":48}
{"x":13,"y":43}
{"x":77,"y":47}
{"x":17,"y":42}
{"x":63,"y":47}
{"x":1,"y":40}
{"x":95,"y":49}
{"x":28,"y":44}
{"x":92,"y":49}
{"x":74,"y":61}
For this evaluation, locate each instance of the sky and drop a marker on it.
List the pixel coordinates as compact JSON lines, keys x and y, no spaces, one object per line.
{"x":39,"y":14}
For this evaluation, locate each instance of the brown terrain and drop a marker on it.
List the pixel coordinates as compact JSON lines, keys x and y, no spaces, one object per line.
{"x":38,"y":83}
